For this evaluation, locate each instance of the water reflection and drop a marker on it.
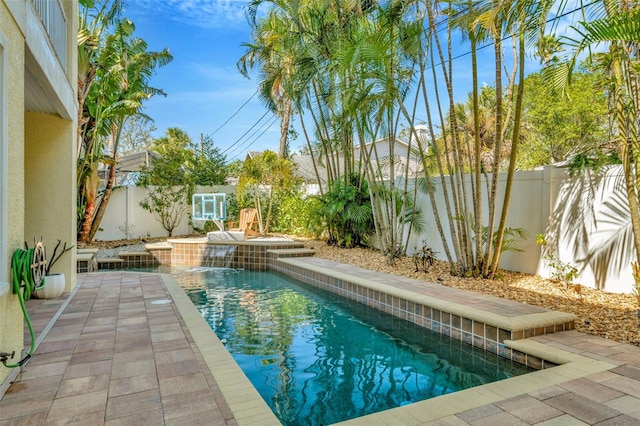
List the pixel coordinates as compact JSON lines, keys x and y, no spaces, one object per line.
{"x":318,"y":359}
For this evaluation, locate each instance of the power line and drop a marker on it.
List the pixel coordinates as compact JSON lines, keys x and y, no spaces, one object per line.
{"x":264,"y":130}
{"x":268,"y":127}
{"x":235,"y":113}
{"x":245,"y":133}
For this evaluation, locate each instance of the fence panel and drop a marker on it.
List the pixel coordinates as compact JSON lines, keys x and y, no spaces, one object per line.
{"x":124,"y":218}
{"x":585,"y":219}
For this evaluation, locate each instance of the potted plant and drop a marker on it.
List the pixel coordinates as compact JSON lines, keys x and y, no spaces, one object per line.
{"x":54,"y":284}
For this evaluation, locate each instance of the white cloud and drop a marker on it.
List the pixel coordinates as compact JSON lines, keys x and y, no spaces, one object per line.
{"x":201,"y":13}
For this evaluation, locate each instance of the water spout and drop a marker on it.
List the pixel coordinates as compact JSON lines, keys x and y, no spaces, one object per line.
{"x":218,"y":256}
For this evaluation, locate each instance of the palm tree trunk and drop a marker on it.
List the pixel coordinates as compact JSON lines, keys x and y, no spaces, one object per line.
{"x":104,"y":200}
{"x":87,"y":220}
{"x":492,"y":200}
{"x":312,"y":155}
{"x":284,"y":128}
{"x":512,"y":163}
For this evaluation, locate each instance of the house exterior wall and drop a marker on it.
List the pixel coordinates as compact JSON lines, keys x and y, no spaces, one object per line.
{"x":37,"y":151}
{"x":51,"y":187}
{"x":11,"y":321}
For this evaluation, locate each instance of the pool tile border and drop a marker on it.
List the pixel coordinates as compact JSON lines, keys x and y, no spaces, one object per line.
{"x":250,"y":254}
{"x":249,"y":408}
{"x":480,"y":328}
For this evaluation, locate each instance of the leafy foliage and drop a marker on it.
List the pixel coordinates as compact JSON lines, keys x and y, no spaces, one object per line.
{"x":168,"y":183}
{"x":346,"y":211}
{"x":423,"y":258}
{"x":262,"y":178}
{"x":560,"y":127}
{"x":208,"y":166}
{"x":292,"y":213}
{"x":168,"y":204}
{"x":564,"y":272}
{"x":114,"y":70}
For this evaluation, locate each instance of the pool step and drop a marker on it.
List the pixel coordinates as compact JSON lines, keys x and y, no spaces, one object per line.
{"x":110,"y":263}
{"x":86,"y":260}
{"x":292,"y":252}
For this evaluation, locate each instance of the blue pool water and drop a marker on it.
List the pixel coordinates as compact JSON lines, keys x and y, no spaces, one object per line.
{"x":318,"y":359}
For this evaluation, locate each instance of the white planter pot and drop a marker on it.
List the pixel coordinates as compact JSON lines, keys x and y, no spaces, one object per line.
{"x":53,"y":287}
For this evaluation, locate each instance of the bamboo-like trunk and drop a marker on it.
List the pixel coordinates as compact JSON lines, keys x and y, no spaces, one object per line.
{"x":284,"y":129}
{"x":512,"y":163}
{"x":312,"y":155}
{"x":492,"y":200}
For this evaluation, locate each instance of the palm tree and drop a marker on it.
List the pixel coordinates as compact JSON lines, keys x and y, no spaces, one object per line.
{"x":123,"y":67}
{"x":130,"y":76}
{"x":95,"y":20}
{"x":93,"y":24}
{"x":459,"y":147}
{"x":273,"y":50}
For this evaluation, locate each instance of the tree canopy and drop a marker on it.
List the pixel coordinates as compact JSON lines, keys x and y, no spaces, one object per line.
{"x":561,"y":126}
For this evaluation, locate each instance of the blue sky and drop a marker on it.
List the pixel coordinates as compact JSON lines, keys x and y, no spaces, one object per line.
{"x":203,"y":85}
{"x":204,"y":88}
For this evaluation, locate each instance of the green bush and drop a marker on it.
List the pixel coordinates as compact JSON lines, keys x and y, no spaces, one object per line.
{"x":346,"y":211}
{"x":292,"y":214}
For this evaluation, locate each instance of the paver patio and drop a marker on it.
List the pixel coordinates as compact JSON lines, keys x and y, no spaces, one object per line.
{"x":117,"y":353}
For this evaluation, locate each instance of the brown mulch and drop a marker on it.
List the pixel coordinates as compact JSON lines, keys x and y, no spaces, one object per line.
{"x":610,"y":315}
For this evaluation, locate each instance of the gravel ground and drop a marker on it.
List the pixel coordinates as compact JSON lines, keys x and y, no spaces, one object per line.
{"x":113,"y":252}
{"x":610,"y":315}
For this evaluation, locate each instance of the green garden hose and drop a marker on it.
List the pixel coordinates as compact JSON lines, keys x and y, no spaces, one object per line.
{"x":23,"y":271}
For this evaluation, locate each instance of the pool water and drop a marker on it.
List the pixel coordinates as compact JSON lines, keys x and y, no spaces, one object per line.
{"x":317,"y":358}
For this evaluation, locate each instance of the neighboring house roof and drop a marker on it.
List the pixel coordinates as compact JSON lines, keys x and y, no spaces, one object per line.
{"x":253,"y":154}
{"x":126,"y":164}
{"x":304,"y":163}
{"x":134,"y":162}
{"x":400,"y":150}
{"x":304,"y":168}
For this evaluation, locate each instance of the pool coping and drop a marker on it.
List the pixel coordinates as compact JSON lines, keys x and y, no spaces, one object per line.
{"x":515,"y":323}
{"x":249,"y":408}
{"x":243,"y":399}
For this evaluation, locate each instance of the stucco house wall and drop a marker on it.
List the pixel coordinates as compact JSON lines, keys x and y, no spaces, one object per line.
{"x":38,"y":109}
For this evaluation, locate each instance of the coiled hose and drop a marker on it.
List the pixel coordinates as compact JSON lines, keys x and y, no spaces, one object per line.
{"x":23,"y":273}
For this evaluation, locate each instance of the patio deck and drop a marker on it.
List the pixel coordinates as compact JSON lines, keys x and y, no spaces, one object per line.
{"x":113,"y":356}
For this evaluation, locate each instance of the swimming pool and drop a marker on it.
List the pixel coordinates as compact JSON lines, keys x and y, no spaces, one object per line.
{"x":316,"y":358}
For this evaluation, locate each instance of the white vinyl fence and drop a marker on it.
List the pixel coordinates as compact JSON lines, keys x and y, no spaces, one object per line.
{"x":585,"y":219}
{"x":124,"y":218}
